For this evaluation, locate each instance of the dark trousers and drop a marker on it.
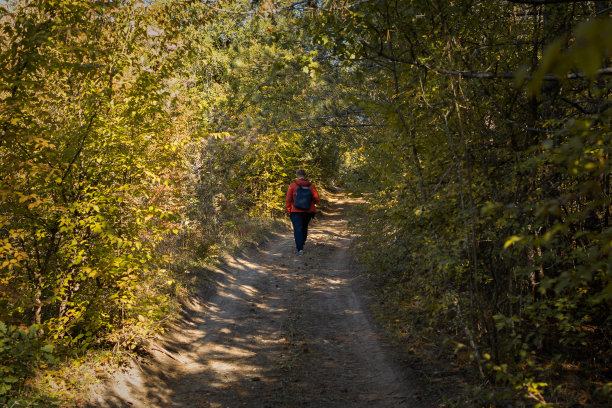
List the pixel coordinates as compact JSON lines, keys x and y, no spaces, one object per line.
{"x":300,"y":222}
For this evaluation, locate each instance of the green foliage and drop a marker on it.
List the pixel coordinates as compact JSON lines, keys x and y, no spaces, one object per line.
{"x":478,"y":131}
{"x":86,"y":185}
{"x":21,"y":351}
{"x":127,"y":129}
{"x":488,"y":215}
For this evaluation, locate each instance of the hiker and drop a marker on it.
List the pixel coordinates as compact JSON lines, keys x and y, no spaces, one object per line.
{"x":300,"y":202}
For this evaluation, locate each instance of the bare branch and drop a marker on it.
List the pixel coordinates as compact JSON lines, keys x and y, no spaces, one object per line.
{"x":299,"y":129}
{"x":543,"y":2}
{"x":531,"y":129}
{"x":346,"y":126}
{"x":479,"y":75}
{"x":597,"y":110}
{"x":600,"y":12}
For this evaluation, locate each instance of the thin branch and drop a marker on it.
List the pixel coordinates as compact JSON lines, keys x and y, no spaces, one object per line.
{"x":445,"y":174}
{"x":80,"y":148}
{"x":577,"y":105}
{"x":247,"y":13}
{"x":574,"y":104}
{"x":600,"y":12}
{"x":286,"y":8}
{"x":164,"y":352}
{"x":280,"y":130}
{"x":531,"y":129}
{"x":347,"y":126}
{"x":543,"y":2}
{"x":479,"y":75}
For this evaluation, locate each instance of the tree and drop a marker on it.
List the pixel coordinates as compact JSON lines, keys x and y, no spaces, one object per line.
{"x":489,"y":159}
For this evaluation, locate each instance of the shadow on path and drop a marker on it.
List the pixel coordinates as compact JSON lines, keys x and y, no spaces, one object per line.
{"x":278,"y":331}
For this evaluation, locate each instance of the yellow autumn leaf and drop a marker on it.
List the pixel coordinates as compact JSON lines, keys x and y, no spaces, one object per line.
{"x":513,"y":239}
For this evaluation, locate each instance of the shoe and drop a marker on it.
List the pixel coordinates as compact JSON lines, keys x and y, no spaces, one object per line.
{"x":300,"y":252}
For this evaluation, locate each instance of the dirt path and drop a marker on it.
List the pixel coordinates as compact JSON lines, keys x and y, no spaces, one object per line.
{"x":279,"y":331}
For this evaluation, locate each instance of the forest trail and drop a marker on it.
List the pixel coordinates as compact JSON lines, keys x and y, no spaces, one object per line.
{"x":276,"y":331}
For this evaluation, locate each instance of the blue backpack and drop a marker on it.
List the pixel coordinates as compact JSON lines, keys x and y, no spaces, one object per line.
{"x":303,"y":198}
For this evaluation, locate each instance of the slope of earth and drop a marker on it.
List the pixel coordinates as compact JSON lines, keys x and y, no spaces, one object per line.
{"x":277,"y":331}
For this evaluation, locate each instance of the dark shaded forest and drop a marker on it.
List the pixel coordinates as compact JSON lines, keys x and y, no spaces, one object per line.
{"x":138,"y":138}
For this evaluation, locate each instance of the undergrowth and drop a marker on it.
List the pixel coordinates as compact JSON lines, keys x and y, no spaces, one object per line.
{"x":430,"y":318}
{"x":64,"y":378}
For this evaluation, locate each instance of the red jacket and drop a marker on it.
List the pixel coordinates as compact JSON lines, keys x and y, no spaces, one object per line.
{"x":291,"y":196}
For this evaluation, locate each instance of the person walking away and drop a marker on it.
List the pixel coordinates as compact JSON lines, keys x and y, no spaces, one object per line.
{"x":302,"y":196}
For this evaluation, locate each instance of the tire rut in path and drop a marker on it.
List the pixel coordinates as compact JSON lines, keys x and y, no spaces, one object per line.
{"x":279,"y":331}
